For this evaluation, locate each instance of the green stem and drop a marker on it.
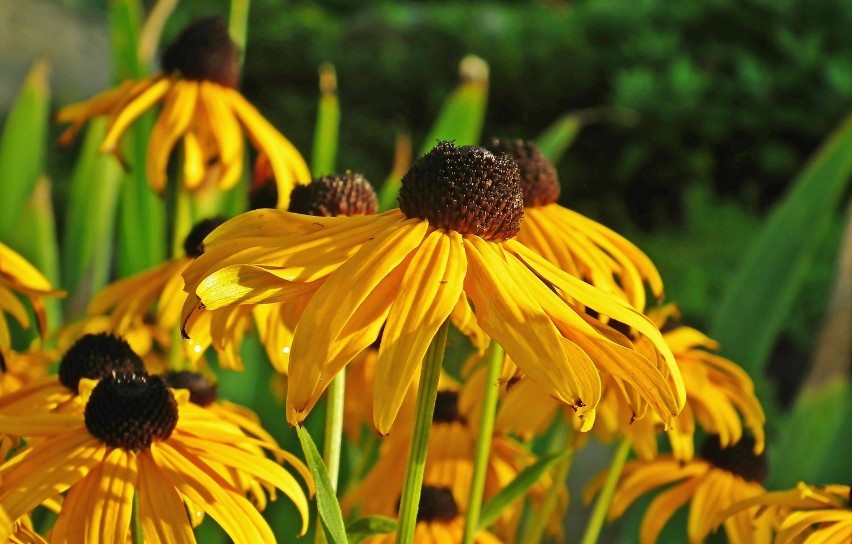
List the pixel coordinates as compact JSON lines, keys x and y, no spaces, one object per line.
{"x":333,"y":434}
{"x":135,"y":524}
{"x":541,"y":518}
{"x":415,"y":467}
{"x":238,"y":24}
{"x":596,"y":520}
{"x":483,"y":443}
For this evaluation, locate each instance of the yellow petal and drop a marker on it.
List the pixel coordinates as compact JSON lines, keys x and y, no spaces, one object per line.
{"x":662,"y":508}
{"x":172,"y":123}
{"x":226,"y":131}
{"x":132,"y":111}
{"x":161,"y":511}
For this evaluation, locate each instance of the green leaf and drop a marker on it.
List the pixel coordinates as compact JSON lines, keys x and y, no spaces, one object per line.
{"x":89,"y":220}
{"x":761,"y":295}
{"x":366,"y":527}
{"x":492,"y":509}
{"x":22,"y":147}
{"x":807,"y":452}
{"x":327,"y":505}
{"x":558,"y":137}
{"x":125,"y":21}
{"x":324,"y":156}
{"x":460,"y":119}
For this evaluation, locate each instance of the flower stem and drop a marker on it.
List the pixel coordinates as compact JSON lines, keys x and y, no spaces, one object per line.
{"x":333,"y":434}
{"x":135,"y":524}
{"x":238,"y":23}
{"x":541,"y":518}
{"x":483,"y":443}
{"x":596,"y":520}
{"x":414,"y":469}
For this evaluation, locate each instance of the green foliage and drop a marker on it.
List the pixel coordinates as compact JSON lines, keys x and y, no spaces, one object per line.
{"x":364,"y":528}
{"x":327,"y":505}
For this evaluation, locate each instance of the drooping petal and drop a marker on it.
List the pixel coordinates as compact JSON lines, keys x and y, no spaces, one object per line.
{"x":172,"y":123}
{"x":226,"y":131}
{"x":663,"y":507}
{"x":161,"y":512}
{"x":430,"y":290}
{"x":131,"y":111}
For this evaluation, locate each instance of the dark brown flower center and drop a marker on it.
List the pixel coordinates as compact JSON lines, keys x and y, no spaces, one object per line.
{"x":193,"y":244}
{"x":3,"y":368}
{"x":436,"y":504}
{"x":204,"y":51}
{"x":330,"y":196}
{"x":539,"y":180}
{"x":738,"y":459}
{"x":130,"y":411}
{"x":466,"y":189}
{"x":94,"y":356}
{"x":447,"y":408}
{"x":201,"y":391}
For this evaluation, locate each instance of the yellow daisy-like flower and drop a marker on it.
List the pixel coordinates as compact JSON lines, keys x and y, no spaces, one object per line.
{"x":138,"y":438}
{"x":710,"y":483}
{"x":17,"y":275}
{"x":806,"y":514}
{"x":576,"y":244}
{"x":201,"y":106}
{"x":405,"y":271}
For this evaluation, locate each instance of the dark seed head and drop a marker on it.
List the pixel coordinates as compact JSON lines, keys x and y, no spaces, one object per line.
{"x":447,"y":408}
{"x":193,"y":244}
{"x":130,"y":411}
{"x":94,"y":356}
{"x":3,"y":368}
{"x":738,"y":459}
{"x":330,"y":196}
{"x":436,"y":504}
{"x":204,"y":51}
{"x":539,"y":180}
{"x":201,"y":391}
{"x":466,"y":189}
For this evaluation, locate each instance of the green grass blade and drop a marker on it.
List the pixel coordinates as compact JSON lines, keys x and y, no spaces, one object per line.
{"x":761,"y":295}
{"x":324,"y":156}
{"x":364,"y":528}
{"x":125,"y":20}
{"x":558,"y":137}
{"x":22,"y":147}
{"x":327,"y":505}
{"x":492,"y":509}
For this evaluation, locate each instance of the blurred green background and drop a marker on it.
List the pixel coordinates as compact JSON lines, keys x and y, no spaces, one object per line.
{"x":697,"y":114}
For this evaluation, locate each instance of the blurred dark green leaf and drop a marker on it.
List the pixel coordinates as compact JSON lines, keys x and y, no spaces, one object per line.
{"x":363,"y":528}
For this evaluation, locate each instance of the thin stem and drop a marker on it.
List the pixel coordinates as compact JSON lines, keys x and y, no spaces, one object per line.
{"x":333,"y":434}
{"x":238,"y":24}
{"x":596,"y":520}
{"x":135,"y":524}
{"x":541,"y":518}
{"x":414,"y":469}
{"x":483,"y":443}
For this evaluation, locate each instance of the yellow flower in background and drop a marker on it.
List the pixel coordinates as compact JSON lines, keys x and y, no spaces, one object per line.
{"x":404,"y":272}
{"x":806,"y":513}
{"x":202,"y":108}
{"x":138,"y":438}
{"x":709,"y":483}
{"x":18,"y":276}
{"x":578,"y":245}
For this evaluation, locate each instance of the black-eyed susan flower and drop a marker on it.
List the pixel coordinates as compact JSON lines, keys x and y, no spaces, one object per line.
{"x":202,"y":108}
{"x":404,"y":272}
{"x":136,"y":437}
{"x":710,"y":483}
{"x":806,"y":513}
{"x":576,"y":244}
{"x":18,"y":276}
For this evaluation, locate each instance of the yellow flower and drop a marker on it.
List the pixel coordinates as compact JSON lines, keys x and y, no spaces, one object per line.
{"x":197,"y":86}
{"x":138,"y":438}
{"x":405,"y":271}
{"x":19,"y":276}
{"x":710,"y":483}
{"x":574,"y":243}
{"x":812,"y":514}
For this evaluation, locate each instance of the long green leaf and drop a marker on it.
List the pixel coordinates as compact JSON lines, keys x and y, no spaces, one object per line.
{"x":492,"y":509}
{"x":327,"y":505}
{"x":22,"y":147}
{"x":90,"y":213}
{"x":366,"y":527}
{"x":755,"y":306}
{"x":558,"y":137}
{"x":460,"y":119}
{"x":324,"y":156}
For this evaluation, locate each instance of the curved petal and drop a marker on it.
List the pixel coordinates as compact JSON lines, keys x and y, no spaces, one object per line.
{"x":132,"y":110}
{"x":226,"y":131}
{"x":161,"y":511}
{"x":172,"y":123}
{"x":662,"y":508}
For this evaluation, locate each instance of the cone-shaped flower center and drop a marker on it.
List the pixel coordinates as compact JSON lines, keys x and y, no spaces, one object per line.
{"x":204,"y":51}
{"x":539,"y":180}
{"x":466,"y":189}
{"x":94,"y":356}
{"x":201,"y":391}
{"x":436,"y":504}
{"x":447,"y":408}
{"x":330,"y":196}
{"x":738,"y":459}
{"x":193,"y":244}
{"x":130,"y":411}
